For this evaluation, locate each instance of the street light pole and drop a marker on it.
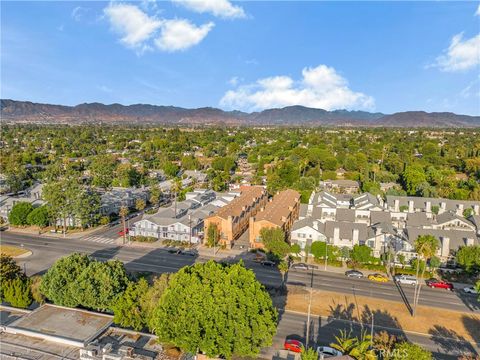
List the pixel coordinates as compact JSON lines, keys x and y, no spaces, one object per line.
{"x":326,"y":254}
{"x":308,"y":313}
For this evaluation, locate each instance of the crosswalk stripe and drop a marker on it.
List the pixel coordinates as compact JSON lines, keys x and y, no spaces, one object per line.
{"x":99,"y":239}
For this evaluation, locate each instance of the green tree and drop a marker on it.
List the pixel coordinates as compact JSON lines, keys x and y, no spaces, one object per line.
{"x":409,"y":351}
{"x":434,"y":263}
{"x":39,"y":217}
{"x":477,"y":287}
{"x":412,"y":177}
{"x":295,"y":249}
{"x":357,"y":347}
{"x":151,"y":298}
{"x":213,"y":235}
{"x":86,"y":208}
{"x":468,"y":257}
{"x":35,"y":282}
{"x":215,"y":309}
{"x":127,"y":308}
{"x":9,"y":271}
{"x":274,"y":241}
{"x":123,"y":215}
{"x":155,"y":194}
{"x":361,"y":254}
{"x":319,"y":249}
{"x":100,"y":284}
{"x":309,"y":354}
{"x":60,"y":283}
{"x":19,"y":213}
{"x":102,"y":170}
{"x":140,"y":204}
{"x":467,"y":213}
{"x":17,"y":292}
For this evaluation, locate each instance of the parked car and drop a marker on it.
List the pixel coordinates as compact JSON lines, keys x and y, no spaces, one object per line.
{"x":326,"y":351}
{"x":406,"y":279}
{"x":354,"y":274}
{"x":470,"y":290}
{"x":293,"y":345}
{"x":377,"y":277}
{"x":268,"y":263}
{"x":300,"y":266}
{"x":440,"y":284}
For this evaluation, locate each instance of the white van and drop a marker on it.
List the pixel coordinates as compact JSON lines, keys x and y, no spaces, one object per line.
{"x":406,"y":279}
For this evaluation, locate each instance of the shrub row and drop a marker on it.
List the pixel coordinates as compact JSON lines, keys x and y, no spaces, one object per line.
{"x":140,"y":238}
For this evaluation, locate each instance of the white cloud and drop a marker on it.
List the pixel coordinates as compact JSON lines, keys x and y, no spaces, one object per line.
{"x":220,"y":8}
{"x":234,"y":80}
{"x":461,"y":55}
{"x":79,"y":12}
{"x":477,"y":13}
{"x":320,"y":87}
{"x":132,"y":24}
{"x":181,"y":34}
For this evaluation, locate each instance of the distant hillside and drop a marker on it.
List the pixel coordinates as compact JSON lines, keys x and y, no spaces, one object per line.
{"x":27,"y":112}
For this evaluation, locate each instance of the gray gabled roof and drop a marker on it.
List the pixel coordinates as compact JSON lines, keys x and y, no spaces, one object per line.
{"x":299,"y":224}
{"x":418,"y":219}
{"x":346,"y":229}
{"x":345,"y":215}
{"x":457,"y":237}
{"x":420,"y":202}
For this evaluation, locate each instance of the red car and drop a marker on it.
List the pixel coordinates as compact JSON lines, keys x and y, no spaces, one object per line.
{"x":120,"y":233}
{"x":434,"y":283}
{"x":293,"y":345}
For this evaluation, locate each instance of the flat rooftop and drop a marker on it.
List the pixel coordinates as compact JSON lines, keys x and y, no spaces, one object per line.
{"x":59,"y":324}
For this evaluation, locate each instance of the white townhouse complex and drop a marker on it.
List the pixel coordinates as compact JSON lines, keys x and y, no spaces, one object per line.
{"x":185,"y":220}
{"x":345,"y":220}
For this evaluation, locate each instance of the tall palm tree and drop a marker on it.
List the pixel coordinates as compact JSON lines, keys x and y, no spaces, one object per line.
{"x":425,"y":246}
{"x":176,"y":188}
{"x":358,"y":348}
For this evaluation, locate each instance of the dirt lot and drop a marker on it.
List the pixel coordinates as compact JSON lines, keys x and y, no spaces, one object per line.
{"x":452,"y":324}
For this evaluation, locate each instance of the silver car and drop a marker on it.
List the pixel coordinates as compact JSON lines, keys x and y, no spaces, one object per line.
{"x":406,"y":279}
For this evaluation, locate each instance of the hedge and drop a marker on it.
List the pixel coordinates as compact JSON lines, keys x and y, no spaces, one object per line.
{"x":140,"y":238}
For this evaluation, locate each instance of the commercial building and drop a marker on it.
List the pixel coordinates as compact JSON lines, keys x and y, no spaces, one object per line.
{"x":280,"y":212}
{"x":233,"y":219}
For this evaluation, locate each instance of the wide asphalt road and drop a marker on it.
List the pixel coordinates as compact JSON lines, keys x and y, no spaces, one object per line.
{"x":323,"y":331}
{"x":47,"y":250}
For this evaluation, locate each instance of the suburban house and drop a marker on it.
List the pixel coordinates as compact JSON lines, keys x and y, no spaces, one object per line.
{"x":182,"y":221}
{"x":198,"y":177}
{"x":233,"y":219}
{"x":341,"y":186}
{"x":279,"y":212}
{"x":32,"y":195}
{"x":367,"y":220}
{"x":114,"y":199}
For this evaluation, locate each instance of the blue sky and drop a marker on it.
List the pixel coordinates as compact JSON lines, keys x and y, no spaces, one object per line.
{"x":377,"y":56}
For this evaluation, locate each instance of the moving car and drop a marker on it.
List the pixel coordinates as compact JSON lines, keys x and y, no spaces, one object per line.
{"x":354,"y":274}
{"x":293,"y":345}
{"x":120,"y":233}
{"x":326,"y":351}
{"x":470,"y":290}
{"x":300,"y":266}
{"x":377,"y":277}
{"x":268,"y":263}
{"x":440,"y":284}
{"x":406,"y":279}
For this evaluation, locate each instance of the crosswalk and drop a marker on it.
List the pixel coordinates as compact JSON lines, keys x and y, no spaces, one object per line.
{"x":100,"y":239}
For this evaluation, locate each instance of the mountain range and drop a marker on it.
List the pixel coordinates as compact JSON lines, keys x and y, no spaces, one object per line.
{"x":17,"y":112}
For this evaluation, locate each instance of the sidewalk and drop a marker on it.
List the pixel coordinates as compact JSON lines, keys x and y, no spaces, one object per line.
{"x":34,"y":232}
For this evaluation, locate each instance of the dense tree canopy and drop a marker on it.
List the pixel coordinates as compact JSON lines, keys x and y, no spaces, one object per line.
{"x":19,"y":213}
{"x":219,"y":310}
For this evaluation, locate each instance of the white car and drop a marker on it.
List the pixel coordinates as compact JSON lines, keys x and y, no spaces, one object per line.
{"x":470,"y":290}
{"x":406,"y":279}
{"x":326,"y":352}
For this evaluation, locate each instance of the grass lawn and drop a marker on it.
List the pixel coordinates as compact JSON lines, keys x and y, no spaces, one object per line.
{"x":12,"y":251}
{"x":433,"y":321}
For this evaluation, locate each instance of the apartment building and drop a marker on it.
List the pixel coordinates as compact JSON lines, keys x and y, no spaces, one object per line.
{"x":233,"y":219}
{"x":281,"y":212}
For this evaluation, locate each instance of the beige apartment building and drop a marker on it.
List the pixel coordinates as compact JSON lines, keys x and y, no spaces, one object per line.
{"x":280,"y":212}
{"x":233,"y":219}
